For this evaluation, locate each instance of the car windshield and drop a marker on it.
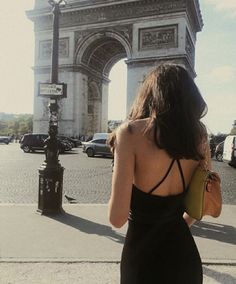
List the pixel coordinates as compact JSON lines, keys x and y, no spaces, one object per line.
{"x":99,"y":141}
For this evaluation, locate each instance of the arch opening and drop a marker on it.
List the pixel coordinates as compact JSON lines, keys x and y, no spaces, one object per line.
{"x":117,"y":94}
{"x":97,"y":57}
{"x":102,"y":54}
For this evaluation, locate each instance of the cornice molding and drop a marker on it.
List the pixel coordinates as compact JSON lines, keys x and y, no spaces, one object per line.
{"x":153,"y":61}
{"x":75,"y":15}
{"x":84,"y":69}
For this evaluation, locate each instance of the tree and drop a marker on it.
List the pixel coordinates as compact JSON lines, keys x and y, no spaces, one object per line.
{"x":11,"y":124}
{"x":3,"y":127}
{"x":233,"y":130}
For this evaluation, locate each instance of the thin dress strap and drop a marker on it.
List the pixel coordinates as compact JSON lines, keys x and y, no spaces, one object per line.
{"x":181,"y":173}
{"x":160,"y":182}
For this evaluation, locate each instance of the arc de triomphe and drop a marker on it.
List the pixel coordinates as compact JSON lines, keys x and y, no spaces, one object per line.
{"x":94,"y":35}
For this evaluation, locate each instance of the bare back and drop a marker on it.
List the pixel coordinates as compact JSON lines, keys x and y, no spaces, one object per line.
{"x":151,"y":164}
{"x":138,"y":161}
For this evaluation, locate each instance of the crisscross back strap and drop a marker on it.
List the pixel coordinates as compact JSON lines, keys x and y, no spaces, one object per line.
{"x":181,"y":173}
{"x":161,"y":181}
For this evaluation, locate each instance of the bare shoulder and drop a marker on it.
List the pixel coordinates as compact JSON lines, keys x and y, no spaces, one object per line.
{"x":130,"y":130}
{"x":138,"y":126}
{"x":123,"y":133}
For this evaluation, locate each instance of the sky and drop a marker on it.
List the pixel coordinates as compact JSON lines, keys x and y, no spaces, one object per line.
{"x":215,"y":64}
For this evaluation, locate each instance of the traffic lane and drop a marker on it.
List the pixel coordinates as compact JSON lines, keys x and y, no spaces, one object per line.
{"x":228,"y":181}
{"x":86,"y":179}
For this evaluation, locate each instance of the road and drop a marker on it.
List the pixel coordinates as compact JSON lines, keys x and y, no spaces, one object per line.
{"x":86,"y":179}
{"x":89,"y":181}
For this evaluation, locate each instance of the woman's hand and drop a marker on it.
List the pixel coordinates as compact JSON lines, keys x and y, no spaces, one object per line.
{"x":189,"y":220}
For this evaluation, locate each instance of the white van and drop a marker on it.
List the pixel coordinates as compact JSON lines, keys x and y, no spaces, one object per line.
{"x":100,"y":136}
{"x":229,"y":153}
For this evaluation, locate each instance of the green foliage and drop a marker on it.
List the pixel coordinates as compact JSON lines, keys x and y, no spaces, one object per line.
{"x":233,"y":130}
{"x":15,"y":124}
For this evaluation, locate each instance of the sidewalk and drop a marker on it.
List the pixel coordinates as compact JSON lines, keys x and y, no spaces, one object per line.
{"x":83,"y":238}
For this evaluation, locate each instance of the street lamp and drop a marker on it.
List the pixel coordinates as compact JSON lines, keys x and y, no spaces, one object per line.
{"x":51,"y":171}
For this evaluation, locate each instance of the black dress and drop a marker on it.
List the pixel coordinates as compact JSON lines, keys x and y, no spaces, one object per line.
{"x":159,"y":247}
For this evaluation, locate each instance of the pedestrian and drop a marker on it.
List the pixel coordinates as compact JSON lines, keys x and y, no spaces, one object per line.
{"x":155,"y":154}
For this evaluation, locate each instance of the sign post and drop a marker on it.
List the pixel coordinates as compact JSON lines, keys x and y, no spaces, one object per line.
{"x":51,"y":171}
{"x":52,"y":90}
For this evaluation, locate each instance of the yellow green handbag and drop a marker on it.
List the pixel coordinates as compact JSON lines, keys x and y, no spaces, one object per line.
{"x":204,"y":194}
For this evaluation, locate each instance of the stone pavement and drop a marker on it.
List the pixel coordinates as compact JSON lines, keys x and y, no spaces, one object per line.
{"x":81,"y":247}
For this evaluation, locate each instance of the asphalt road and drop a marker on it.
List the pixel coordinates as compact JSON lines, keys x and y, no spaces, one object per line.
{"x":86,"y":179}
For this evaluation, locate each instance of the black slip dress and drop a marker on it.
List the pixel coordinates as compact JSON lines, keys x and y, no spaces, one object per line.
{"x":159,"y":247}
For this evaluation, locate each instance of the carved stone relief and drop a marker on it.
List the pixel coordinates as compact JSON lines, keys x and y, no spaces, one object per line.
{"x":45,"y":48}
{"x":126,"y":31}
{"x":189,"y":47}
{"x":158,"y":37}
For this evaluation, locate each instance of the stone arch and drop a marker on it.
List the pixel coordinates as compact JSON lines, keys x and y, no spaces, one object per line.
{"x":93,"y":43}
{"x":94,"y":35}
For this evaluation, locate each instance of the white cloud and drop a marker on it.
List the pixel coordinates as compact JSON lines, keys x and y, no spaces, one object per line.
{"x":225,"y":5}
{"x":222,"y":74}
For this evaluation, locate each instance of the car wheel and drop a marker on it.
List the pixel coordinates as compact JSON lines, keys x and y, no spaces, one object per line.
{"x":26,"y":149}
{"x":90,"y":152}
{"x":219,"y":157}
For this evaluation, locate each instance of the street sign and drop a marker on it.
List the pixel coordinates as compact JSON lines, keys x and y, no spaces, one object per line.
{"x":52,"y":90}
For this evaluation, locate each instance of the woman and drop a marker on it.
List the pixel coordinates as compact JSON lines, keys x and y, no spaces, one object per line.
{"x":156,"y":153}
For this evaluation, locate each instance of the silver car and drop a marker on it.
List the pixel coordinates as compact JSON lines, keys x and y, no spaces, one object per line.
{"x":97,"y":147}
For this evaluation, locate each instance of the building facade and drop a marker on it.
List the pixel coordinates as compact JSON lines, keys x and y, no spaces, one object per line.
{"x":94,"y":35}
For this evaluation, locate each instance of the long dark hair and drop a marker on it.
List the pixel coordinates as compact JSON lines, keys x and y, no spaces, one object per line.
{"x":172,"y":101}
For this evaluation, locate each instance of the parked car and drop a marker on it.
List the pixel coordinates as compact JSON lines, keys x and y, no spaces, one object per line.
{"x":33,"y":142}
{"x":97,"y":147}
{"x":74,"y":142}
{"x":100,"y":136}
{"x":219,"y":152}
{"x":4,"y":139}
{"x":229,"y":153}
{"x":66,"y":142}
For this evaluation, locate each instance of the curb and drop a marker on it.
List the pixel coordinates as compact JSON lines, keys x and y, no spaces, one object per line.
{"x":76,"y":260}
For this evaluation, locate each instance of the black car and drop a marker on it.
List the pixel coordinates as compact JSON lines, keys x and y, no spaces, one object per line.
{"x":33,"y":142}
{"x":4,"y":139}
{"x":73,"y":141}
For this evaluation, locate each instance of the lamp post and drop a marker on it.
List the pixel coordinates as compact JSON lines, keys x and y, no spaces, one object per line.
{"x":51,"y":171}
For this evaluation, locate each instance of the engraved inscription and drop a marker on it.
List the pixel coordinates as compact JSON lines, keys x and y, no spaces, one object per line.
{"x":158,"y":37}
{"x":45,"y":48}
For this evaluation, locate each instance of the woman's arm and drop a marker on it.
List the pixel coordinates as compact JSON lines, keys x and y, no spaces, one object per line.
{"x":206,"y":152}
{"x":123,"y":173}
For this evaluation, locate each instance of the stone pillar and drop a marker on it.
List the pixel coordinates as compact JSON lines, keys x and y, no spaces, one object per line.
{"x":41,"y":111}
{"x":135,"y":76}
{"x":80,"y":107}
{"x":104,"y":114}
